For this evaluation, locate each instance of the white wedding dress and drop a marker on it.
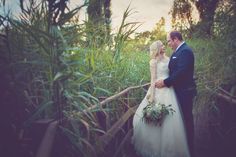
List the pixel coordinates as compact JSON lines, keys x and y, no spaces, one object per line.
{"x":167,"y":140}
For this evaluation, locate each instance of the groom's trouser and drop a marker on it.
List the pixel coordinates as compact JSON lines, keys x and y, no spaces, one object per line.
{"x":186,"y":103}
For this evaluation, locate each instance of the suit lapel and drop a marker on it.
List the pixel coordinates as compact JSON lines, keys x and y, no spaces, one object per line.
{"x":180,"y":48}
{"x":175,"y":55}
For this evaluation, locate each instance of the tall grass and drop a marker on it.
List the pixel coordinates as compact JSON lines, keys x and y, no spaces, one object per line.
{"x":101,"y":75}
{"x":213,"y":66}
{"x":54,"y":70}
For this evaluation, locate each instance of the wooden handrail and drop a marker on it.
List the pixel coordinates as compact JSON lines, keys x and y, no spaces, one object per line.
{"x":111,"y":98}
{"x":224,"y":95}
{"x":106,"y":138}
{"x":115,"y":128}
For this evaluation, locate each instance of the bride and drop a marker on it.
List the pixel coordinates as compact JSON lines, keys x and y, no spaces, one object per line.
{"x":169,"y":139}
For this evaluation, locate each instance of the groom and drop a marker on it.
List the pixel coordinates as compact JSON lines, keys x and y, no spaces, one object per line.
{"x":181,"y":69}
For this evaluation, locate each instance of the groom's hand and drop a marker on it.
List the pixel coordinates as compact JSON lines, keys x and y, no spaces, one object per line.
{"x":159,"y":84}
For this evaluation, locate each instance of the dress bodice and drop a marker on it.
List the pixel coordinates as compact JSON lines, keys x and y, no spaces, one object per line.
{"x":162,"y":69}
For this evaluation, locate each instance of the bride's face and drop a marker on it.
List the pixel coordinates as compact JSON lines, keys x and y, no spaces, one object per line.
{"x":162,"y":49}
{"x":161,"y":52}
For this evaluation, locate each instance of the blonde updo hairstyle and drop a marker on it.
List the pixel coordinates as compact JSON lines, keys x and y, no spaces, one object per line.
{"x":155,"y":49}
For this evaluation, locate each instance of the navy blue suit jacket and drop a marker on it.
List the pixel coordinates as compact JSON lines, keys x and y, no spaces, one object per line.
{"x":181,"y":66}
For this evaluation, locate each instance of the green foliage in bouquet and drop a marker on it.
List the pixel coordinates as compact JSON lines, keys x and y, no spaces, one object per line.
{"x":155,"y":114}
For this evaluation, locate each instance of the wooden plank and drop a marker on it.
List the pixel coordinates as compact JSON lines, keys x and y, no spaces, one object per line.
{"x":106,"y":138}
{"x":46,"y":144}
{"x":121,"y":146}
{"x":44,"y":121}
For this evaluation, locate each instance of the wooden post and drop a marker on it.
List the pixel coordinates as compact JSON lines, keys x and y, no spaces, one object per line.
{"x":46,"y":144}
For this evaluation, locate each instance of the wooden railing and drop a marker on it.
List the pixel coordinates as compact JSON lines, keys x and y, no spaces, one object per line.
{"x":111,"y":132}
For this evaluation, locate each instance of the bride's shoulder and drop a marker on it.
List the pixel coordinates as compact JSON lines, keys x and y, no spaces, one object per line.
{"x":153,"y":62}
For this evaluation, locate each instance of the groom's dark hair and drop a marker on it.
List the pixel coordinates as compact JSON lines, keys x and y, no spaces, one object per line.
{"x":176,"y":34}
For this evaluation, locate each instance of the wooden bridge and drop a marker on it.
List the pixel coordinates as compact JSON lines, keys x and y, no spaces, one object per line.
{"x":115,"y":139}
{"x":121,"y":129}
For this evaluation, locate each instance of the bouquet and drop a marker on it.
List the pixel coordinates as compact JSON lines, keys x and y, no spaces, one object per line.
{"x":154,"y":114}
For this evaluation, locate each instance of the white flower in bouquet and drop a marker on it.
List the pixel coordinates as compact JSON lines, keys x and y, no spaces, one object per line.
{"x":155,"y":114}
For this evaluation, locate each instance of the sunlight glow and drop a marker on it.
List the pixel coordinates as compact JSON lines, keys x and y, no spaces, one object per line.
{"x":168,"y":28}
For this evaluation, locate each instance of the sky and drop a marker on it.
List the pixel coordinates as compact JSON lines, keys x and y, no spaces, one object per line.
{"x":148,"y":12}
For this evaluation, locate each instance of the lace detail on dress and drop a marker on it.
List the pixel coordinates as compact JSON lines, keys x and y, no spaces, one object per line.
{"x":162,"y":69}
{"x":168,"y":140}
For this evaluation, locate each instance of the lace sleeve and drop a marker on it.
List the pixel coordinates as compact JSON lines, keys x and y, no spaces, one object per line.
{"x":153,"y":71}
